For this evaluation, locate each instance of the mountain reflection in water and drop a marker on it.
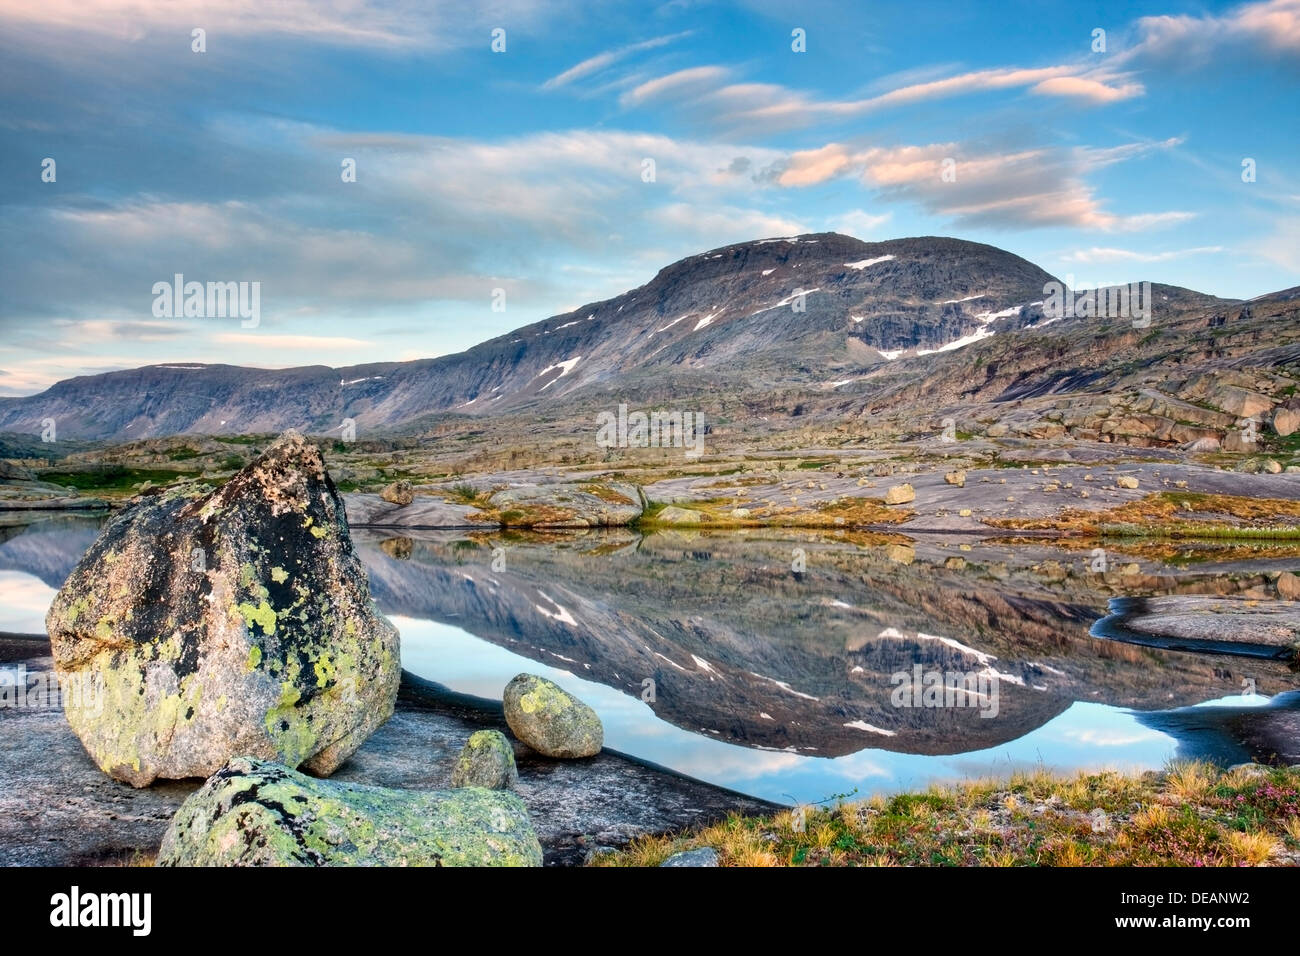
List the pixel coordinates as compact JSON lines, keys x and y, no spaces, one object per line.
{"x":707,"y":653}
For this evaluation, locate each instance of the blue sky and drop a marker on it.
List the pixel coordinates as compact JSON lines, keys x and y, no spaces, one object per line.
{"x":523,"y":170}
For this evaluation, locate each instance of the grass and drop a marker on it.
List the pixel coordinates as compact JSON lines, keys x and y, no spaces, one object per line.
{"x":1192,"y":814}
{"x":466,"y":494}
{"x":113,"y":479}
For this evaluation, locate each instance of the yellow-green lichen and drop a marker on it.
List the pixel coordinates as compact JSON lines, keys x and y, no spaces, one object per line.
{"x":263,"y":615}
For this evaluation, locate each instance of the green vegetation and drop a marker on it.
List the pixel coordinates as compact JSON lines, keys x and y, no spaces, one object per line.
{"x":465,"y":493}
{"x":113,"y":478}
{"x":1193,"y":814}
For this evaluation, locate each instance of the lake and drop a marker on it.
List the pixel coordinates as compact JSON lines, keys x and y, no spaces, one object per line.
{"x":799,"y":666}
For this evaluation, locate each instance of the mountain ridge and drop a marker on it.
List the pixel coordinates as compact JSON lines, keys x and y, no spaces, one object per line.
{"x":767,"y":313}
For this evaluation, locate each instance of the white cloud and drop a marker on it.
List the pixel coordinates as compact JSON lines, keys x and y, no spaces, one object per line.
{"x":1098,"y":254}
{"x":360,"y":23}
{"x":860,"y":224}
{"x":1271,"y":27}
{"x":1027,"y":188}
{"x":602,"y":61}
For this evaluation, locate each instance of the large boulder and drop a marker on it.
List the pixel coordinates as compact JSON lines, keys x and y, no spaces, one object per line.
{"x":487,"y":760}
{"x":224,"y":623}
{"x":252,"y":813}
{"x":550,"y":720}
{"x":1286,"y":420}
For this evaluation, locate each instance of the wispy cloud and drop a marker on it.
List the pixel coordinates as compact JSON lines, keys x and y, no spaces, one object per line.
{"x":602,"y":61}
{"x":1099,"y":254}
{"x":393,"y":24}
{"x":1023,"y":189}
{"x":710,"y":93}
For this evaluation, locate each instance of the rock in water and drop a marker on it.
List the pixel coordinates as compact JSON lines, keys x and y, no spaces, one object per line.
{"x":488,"y":761}
{"x":252,"y":813}
{"x":224,"y":623}
{"x":550,"y":720}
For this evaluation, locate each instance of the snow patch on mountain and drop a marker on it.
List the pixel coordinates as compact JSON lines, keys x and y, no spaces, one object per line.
{"x":565,"y":368}
{"x":863,"y":263}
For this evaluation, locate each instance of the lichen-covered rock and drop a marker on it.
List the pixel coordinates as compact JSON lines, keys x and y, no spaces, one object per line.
{"x":487,"y":760}
{"x":223,"y":623}
{"x":550,"y":720}
{"x":253,"y":813}
{"x":398,"y":493}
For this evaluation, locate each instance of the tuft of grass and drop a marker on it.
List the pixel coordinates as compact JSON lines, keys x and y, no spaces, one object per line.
{"x":1191,"y":781}
{"x":1192,"y":814}
{"x":465,"y":493}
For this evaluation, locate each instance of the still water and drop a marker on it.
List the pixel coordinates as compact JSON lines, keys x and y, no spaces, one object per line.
{"x":793,"y":666}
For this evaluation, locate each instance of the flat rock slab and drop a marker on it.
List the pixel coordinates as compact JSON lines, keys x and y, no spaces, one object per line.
{"x":575,"y":505}
{"x":58,"y":809}
{"x":423,"y":512}
{"x":1208,"y":624}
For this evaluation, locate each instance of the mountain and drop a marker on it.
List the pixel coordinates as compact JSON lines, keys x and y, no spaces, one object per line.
{"x":733,"y":314}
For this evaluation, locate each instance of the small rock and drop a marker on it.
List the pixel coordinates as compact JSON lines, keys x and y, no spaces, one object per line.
{"x":674,"y":515}
{"x":550,"y":720}
{"x":965,"y":512}
{"x":399,"y":493}
{"x":901,"y":553}
{"x":1288,"y":586}
{"x":900,"y":494}
{"x":1272,"y":467}
{"x":1126,"y":481}
{"x":702,"y":856}
{"x":487,"y":760}
{"x":957,"y":478}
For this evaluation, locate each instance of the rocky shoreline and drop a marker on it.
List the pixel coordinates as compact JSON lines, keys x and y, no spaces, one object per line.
{"x":58,"y":809}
